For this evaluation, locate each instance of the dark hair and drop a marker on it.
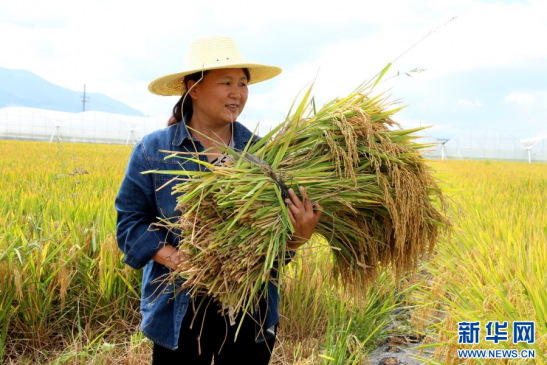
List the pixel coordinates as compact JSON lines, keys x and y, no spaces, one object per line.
{"x":187,"y":107}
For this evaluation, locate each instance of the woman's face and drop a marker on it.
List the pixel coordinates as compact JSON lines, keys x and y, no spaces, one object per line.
{"x":221,"y":95}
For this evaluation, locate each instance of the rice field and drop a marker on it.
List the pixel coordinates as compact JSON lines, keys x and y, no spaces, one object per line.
{"x":494,"y":265}
{"x":66,"y":297}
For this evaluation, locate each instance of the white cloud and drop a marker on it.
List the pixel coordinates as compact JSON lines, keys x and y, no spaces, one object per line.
{"x":117,"y":47}
{"x":521,"y":98}
{"x":470,"y":103}
{"x":492,"y":35}
{"x":97,"y":39}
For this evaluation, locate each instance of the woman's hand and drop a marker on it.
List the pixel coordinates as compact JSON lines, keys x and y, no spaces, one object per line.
{"x":304,"y":217}
{"x":169,"y":257}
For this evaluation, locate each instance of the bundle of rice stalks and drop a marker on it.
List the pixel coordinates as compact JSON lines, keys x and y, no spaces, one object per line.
{"x":376,"y":190}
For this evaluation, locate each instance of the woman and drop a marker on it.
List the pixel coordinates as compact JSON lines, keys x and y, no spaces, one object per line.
{"x":213,"y":89}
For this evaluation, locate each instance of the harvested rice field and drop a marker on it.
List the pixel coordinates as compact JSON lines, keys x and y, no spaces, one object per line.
{"x":66,"y":297}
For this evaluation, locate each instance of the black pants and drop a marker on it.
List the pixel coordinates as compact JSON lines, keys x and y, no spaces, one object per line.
{"x":211,"y":335}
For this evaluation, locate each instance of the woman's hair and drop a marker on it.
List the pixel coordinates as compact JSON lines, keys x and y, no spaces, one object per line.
{"x":187,"y":107}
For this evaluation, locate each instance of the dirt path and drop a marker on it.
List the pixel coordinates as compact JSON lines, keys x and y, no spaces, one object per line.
{"x":398,"y":350}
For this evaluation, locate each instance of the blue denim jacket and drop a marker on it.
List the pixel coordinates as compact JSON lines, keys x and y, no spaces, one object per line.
{"x":139,"y":204}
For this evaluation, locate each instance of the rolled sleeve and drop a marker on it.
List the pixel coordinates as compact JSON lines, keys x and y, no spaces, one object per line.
{"x":135,"y":205}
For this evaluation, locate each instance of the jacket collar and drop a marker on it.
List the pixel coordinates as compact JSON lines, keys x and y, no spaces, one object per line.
{"x":241,"y":134}
{"x":181,"y":133}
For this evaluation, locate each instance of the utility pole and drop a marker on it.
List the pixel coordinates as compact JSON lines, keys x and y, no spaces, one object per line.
{"x":84,"y":100}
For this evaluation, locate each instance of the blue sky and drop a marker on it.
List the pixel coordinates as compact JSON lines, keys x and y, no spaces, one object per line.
{"x":486,"y":69}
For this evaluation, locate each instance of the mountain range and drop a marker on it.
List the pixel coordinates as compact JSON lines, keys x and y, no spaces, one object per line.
{"x":24,"y":88}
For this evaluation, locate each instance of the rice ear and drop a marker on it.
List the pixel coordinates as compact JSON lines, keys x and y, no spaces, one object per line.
{"x":377,"y":192}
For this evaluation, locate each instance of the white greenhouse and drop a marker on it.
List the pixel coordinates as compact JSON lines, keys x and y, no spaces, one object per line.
{"x":484,"y":144}
{"x":100,"y":127}
{"x":90,"y":126}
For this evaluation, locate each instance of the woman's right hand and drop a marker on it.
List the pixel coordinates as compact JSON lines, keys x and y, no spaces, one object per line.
{"x":170,"y":257}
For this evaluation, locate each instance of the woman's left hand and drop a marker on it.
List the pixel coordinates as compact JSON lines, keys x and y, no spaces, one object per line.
{"x":304,"y":217}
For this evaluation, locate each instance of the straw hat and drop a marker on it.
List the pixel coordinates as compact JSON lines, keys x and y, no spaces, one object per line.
{"x":211,"y":53}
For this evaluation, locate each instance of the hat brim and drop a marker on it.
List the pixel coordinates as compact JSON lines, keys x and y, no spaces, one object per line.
{"x":173,"y":84}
